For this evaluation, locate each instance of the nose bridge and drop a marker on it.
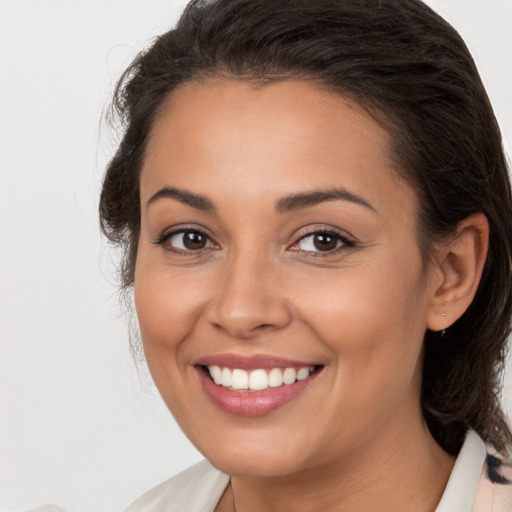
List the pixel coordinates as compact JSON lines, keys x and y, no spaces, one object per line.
{"x":248,"y":297}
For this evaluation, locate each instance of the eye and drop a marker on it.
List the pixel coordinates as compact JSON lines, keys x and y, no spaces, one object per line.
{"x":186,"y":240}
{"x":322,"y":241}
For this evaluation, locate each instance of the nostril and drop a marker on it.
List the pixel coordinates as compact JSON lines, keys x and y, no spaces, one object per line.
{"x":243,"y":306}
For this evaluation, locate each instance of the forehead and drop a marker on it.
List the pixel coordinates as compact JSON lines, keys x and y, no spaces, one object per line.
{"x":233,"y":137}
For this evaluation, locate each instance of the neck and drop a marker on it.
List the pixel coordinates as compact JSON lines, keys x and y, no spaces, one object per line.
{"x":396,"y":471}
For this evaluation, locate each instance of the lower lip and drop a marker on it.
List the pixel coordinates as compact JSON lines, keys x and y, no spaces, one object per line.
{"x":252,"y":403}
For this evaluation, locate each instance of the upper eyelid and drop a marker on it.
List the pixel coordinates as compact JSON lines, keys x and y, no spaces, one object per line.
{"x":348,"y":242}
{"x":341,"y":234}
{"x":344,"y":241}
{"x":307,"y":232}
{"x":167,"y":235}
{"x":174,"y":230}
{"x":163,"y":240}
{"x":323,"y":231}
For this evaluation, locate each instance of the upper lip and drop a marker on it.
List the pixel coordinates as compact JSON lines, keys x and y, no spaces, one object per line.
{"x":253,"y":362}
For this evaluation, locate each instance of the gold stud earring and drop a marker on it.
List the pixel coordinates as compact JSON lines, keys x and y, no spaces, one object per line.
{"x":443,"y":316}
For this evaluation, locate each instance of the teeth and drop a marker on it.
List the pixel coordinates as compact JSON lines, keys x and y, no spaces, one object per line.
{"x":257,"y":380}
{"x":226,"y":379}
{"x":275,"y":378}
{"x":240,"y":379}
{"x":216,"y":374}
{"x":303,"y":373}
{"x":289,"y":376}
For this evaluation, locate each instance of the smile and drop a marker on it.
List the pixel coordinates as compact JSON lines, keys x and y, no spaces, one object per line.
{"x":257,"y":380}
{"x":252,"y":390}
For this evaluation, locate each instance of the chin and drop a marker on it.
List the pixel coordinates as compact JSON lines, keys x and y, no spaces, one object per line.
{"x":252,"y":458}
{"x":254,"y":466}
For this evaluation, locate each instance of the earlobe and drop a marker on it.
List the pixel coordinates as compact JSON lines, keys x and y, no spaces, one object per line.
{"x":460,"y":264}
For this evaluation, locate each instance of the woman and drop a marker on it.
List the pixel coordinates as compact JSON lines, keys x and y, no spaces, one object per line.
{"x":316,"y":214}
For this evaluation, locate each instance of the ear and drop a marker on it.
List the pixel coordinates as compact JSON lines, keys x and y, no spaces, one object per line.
{"x":459,"y":267}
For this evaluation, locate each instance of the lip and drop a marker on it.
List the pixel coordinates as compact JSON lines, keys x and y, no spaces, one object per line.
{"x":254,"y":362}
{"x":251,"y":403}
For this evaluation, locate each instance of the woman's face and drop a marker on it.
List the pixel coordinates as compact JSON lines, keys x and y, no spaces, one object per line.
{"x":275,"y":234}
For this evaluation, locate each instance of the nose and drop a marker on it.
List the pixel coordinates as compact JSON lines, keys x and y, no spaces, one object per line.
{"x":249,"y":299}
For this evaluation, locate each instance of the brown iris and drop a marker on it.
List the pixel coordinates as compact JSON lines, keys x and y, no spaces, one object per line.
{"x":193,"y":240}
{"x":325,"y":242}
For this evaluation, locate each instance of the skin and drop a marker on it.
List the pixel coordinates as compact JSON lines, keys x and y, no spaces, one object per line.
{"x":355,"y":439}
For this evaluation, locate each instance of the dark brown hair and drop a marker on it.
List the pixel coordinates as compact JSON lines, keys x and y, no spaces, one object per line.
{"x":412,"y":71}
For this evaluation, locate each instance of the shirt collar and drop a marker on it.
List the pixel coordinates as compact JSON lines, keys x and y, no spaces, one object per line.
{"x":462,"y":487}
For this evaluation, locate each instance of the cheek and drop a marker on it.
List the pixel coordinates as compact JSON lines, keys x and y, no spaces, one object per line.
{"x":379,"y":298}
{"x":166,"y":300}
{"x":373,"y":319}
{"x":374,"y":327}
{"x":166,"y":314}
{"x":162,"y":307}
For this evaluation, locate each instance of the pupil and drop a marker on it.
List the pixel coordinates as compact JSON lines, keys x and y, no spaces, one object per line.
{"x":325,"y":242}
{"x":193,"y":240}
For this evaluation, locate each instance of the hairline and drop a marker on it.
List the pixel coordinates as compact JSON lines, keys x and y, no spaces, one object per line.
{"x":391,"y":124}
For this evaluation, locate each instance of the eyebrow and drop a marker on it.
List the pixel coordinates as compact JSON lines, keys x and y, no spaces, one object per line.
{"x":196,"y":201}
{"x":284,"y":205}
{"x":308,"y":199}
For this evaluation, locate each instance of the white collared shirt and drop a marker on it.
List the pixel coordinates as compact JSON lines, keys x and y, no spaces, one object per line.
{"x":469,"y":489}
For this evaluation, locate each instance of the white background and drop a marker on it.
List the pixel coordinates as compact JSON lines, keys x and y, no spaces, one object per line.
{"x":78,"y":427}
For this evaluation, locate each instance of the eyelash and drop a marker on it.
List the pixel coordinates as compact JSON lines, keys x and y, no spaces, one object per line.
{"x":346,"y":242}
{"x":162,"y":239}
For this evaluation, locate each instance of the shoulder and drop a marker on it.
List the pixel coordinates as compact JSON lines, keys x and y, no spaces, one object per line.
{"x":495,"y":489}
{"x":197,"y":489}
